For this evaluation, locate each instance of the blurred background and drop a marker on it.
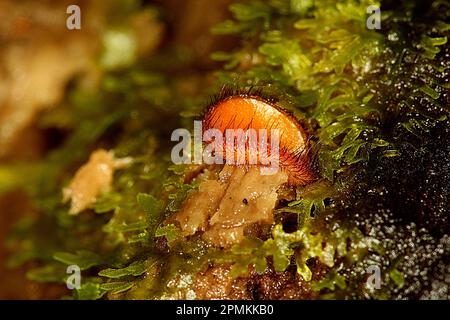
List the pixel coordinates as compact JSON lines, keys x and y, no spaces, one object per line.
{"x":40,"y":58}
{"x":376,"y":101}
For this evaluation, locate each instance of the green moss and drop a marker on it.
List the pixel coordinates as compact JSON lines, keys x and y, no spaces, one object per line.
{"x":357,"y":91}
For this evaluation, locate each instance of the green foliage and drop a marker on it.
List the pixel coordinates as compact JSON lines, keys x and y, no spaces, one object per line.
{"x":82,"y":258}
{"x":312,"y":200}
{"x":170,"y":232}
{"x":47,"y":273}
{"x":317,"y":57}
{"x":93,"y":288}
{"x":151,"y":206}
{"x":332,"y":38}
{"x":302,"y":245}
{"x":431,"y":45}
{"x":107,"y":202}
{"x":89,"y":291}
{"x":287,"y":54}
{"x":116,"y":286}
{"x":397,"y":277}
{"x":135,"y":269}
{"x":176,"y":188}
{"x":332,"y":280}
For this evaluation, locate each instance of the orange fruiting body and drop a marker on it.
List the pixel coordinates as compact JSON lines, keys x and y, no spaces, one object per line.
{"x":245,"y":112}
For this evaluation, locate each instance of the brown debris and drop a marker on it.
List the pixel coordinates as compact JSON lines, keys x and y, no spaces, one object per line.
{"x":38,"y":56}
{"x":216,"y":284}
{"x":92,"y":179}
{"x":223,"y":208}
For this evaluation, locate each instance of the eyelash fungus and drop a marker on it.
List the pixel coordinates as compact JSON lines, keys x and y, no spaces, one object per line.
{"x":233,"y":110}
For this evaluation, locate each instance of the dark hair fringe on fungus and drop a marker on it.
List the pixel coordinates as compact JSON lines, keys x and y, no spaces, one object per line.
{"x":252,"y":108}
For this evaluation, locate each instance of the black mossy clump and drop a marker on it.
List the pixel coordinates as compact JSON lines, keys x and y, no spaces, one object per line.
{"x":415,"y":185}
{"x":402,"y":199}
{"x":403,"y":203}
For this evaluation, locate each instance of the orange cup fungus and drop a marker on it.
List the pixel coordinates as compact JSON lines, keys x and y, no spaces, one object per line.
{"x":246,"y":111}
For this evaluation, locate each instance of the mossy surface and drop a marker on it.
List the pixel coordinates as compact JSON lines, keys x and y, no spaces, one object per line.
{"x":375,"y":101}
